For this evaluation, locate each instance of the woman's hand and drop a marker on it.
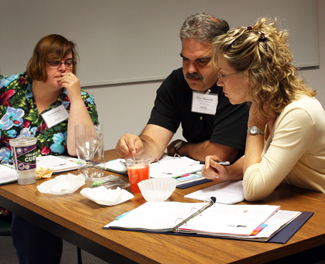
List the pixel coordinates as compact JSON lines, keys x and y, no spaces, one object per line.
{"x":214,"y":171}
{"x":259,"y":119}
{"x":78,"y":114}
{"x":71,"y":83}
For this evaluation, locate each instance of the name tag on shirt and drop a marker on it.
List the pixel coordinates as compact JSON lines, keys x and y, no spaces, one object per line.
{"x":204,"y":103}
{"x":55,"y":116}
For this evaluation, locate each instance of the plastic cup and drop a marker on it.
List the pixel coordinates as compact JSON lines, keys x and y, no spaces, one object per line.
{"x":24,"y":153}
{"x":90,"y":152}
{"x":138,"y":170}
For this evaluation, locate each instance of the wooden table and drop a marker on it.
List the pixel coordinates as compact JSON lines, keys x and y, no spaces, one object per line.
{"x":80,"y":221}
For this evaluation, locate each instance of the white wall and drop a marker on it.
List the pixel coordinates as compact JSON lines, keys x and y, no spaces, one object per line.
{"x":125,"y":38}
{"x":122,"y":107}
{"x":126,"y":108}
{"x":316,"y":77}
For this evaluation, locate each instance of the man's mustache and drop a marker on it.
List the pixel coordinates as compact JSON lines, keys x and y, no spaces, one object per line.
{"x":194,"y":76}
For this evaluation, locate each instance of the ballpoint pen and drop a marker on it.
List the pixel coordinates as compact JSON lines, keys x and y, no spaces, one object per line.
{"x":224,"y":163}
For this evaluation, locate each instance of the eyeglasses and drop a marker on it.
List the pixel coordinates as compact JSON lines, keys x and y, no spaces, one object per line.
{"x":221,"y":76}
{"x":68,"y":63}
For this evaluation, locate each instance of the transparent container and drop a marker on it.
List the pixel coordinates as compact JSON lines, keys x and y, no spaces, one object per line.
{"x":24,"y":153}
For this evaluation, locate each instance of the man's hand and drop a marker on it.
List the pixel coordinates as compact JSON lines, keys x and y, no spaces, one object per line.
{"x":128,"y":145}
{"x":152,"y":141}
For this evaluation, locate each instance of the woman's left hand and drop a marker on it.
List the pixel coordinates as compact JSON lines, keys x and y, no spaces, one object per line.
{"x":259,"y":119}
{"x":71,"y":83}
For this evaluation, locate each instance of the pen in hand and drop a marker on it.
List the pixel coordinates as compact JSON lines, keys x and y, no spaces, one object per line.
{"x":224,"y":163}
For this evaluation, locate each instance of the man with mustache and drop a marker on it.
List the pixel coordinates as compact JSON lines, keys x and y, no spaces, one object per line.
{"x":189,"y":96}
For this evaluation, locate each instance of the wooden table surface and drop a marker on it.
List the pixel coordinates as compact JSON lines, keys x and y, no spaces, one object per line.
{"x":80,"y":221}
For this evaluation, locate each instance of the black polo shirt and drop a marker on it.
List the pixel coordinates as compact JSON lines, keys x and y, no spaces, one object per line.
{"x":173,"y":106}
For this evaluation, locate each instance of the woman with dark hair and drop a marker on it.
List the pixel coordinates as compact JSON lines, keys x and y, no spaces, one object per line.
{"x":286,"y":125}
{"x":49,"y":86}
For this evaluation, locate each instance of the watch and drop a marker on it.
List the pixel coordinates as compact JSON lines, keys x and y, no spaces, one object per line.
{"x":178,"y":145}
{"x":255,"y":130}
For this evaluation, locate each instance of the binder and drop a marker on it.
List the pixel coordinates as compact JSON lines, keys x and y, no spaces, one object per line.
{"x":288,"y":231}
{"x":191,"y":184}
{"x":282,"y":237}
{"x":243,"y":222}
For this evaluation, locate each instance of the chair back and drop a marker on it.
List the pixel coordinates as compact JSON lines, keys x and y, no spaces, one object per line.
{"x":5,"y":225}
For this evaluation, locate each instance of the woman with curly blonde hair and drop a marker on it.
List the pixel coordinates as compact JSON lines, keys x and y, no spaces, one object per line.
{"x":286,"y":126}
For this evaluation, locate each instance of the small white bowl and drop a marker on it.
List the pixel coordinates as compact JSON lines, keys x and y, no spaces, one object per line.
{"x":157,"y":189}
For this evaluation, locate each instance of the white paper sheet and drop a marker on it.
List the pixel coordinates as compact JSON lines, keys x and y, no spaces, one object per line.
{"x":7,"y":174}
{"x":169,"y":167}
{"x":225,"y":193}
{"x":58,"y":163}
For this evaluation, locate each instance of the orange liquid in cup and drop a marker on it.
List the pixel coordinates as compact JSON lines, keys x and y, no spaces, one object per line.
{"x":137,"y":173}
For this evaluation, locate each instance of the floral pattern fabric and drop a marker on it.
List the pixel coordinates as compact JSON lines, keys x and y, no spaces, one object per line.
{"x":19,"y":117}
{"x":3,"y":211}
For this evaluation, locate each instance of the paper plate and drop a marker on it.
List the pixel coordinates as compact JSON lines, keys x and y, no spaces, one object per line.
{"x":108,"y":197}
{"x":62,"y":184}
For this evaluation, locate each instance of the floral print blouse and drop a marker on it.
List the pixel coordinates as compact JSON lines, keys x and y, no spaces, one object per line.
{"x":19,"y":117}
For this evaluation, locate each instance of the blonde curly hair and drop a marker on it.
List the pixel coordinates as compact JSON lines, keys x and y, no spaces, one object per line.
{"x":263,"y":52}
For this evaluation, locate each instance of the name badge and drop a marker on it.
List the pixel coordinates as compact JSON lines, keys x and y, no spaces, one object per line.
{"x":204,"y":103}
{"x":55,"y":116}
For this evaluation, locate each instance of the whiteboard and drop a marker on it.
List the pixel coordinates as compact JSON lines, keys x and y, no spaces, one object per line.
{"x":125,"y":41}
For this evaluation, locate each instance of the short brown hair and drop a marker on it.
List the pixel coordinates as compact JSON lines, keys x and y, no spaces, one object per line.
{"x":50,"y":47}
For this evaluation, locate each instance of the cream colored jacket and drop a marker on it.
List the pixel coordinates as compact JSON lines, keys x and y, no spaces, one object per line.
{"x":294,"y":152}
